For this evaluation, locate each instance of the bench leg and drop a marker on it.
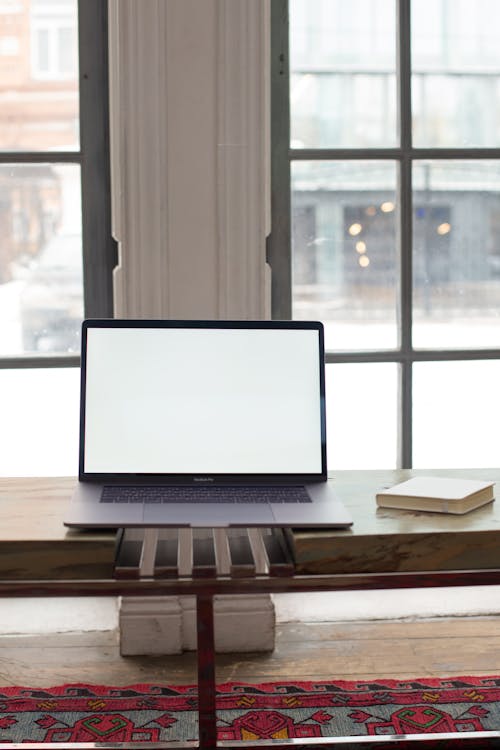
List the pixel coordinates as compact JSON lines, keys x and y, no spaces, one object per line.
{"x":206,"y":672}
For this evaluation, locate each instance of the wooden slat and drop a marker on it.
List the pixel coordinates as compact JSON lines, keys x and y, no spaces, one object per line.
{"x":204,"y":561}
{"x":167,"y":554}
{"x":185,"y":552}
{"x":259,"y":551}
{"x":278,"y":554}
{"x":149,"y":542}
{"x":128,"y":555}
{"x":241,"y":553}
{"x":222,"y":555}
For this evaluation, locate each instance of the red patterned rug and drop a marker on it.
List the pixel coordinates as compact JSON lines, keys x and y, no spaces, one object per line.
{"x":158,"y":713}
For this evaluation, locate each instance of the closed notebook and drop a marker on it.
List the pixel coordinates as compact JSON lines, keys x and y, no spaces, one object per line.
{"x":437,"y":494}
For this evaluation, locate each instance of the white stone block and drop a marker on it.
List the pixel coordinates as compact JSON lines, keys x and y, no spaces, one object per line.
{"x":242,"y":623}
{"x":150,"y":626}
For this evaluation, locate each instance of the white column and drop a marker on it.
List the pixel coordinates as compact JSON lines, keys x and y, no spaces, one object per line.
{"x":190,"y":198}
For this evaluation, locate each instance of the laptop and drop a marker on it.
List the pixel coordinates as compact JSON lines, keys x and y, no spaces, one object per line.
{"x":203,"y":424}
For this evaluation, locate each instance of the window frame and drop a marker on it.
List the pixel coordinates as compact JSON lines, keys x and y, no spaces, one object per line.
{"x":279,"y":242}
{"x":98,"y":246}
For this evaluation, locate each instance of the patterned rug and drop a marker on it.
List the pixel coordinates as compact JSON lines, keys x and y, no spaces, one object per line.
{"x":157,"y":713}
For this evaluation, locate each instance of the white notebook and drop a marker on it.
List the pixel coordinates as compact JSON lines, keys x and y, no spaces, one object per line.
{"x":437,"y":494}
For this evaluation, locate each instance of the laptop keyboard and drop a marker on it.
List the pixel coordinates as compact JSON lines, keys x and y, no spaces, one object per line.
{"x":219,"y":494}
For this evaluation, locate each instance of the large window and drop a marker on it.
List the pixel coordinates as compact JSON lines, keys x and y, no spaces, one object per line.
{"x":56,"y":251}
{"x":386,"y":219}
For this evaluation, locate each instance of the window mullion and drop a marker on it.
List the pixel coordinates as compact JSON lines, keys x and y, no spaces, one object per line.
{"x":404,"y":73}
{"x":39,"y":157}
{"x":39,"y":361}
{"x":405,"y":232}
{"x":279,"y":245}
{"x":99,"y":247}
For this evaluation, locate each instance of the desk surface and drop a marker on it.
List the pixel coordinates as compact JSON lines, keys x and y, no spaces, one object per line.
{"x":33,"y":538}
{"x":387,"y":540}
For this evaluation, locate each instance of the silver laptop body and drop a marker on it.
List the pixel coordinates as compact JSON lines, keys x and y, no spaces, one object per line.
{"x":203,"y":424}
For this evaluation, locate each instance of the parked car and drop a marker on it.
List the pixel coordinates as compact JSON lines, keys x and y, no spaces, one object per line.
{"x":52,"y":298}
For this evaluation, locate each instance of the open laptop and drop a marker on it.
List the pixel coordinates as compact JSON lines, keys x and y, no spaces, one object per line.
{"x":203,"y":424}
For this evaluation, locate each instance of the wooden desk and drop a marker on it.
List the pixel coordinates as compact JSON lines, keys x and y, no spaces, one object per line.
{"x":385,"y":540}
{"x":33,"y":540}
{"x":384,"y":549}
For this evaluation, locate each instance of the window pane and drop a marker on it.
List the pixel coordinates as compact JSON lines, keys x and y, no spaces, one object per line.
{"x":456,"y":67}
{"x":361,"y":415}
{"x":342,"y":73}
{"x":37,"y":439}
{"x":41,"y":289}
{"x":66,"y":48}
{"x":39,"y":76}
{"x":344,"y":251}
{"x":41,"y":50}
{"x":452,"y":406}
{"x":456,"y":278}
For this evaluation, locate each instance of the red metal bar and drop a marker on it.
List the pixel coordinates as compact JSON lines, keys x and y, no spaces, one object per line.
{"x":207,"y":717}
{"x":258,"y":585}
{"x":472,"y":740}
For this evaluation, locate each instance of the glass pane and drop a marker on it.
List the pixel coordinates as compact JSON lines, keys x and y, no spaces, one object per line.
{"x":41,"y":288}
{"x":39,"y":76}
{"x":66,"y":48}
{"x":41,"y":50}
{"x":342,"y":73}
{"x":37,"y":439}
{"x":344,"y":251}
{"x":456,"y":277}
{"x":361,"y":416}
{"x":456,"y":67}
{"x":452,"y":405}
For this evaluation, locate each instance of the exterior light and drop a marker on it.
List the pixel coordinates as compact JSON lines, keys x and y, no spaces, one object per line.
{"x":355,"y":229}
{"x":387,"y":207}
{"x":444,"y":228}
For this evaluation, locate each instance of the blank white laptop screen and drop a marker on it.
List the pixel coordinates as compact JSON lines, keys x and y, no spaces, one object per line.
{"x":188,"y":400}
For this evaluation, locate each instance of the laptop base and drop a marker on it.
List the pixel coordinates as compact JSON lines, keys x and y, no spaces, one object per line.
{"x":87,"y":511}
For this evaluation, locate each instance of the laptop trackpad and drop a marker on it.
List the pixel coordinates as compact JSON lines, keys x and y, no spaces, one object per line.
{"x":207,"y":515}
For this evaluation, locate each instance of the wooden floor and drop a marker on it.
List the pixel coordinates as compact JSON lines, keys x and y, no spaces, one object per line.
{"x":313,"y":651}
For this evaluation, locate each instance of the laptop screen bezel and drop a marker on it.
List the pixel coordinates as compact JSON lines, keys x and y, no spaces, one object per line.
{"x":196,"y":478}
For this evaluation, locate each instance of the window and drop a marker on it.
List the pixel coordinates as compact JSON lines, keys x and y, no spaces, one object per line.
{"x":56,"y":250}
{"x":386,"y":185}
{"x":54,"y":40}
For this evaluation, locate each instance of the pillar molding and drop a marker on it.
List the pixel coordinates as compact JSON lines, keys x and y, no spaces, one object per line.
{"x":189,"y":109}
{"x":189,"y":149}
